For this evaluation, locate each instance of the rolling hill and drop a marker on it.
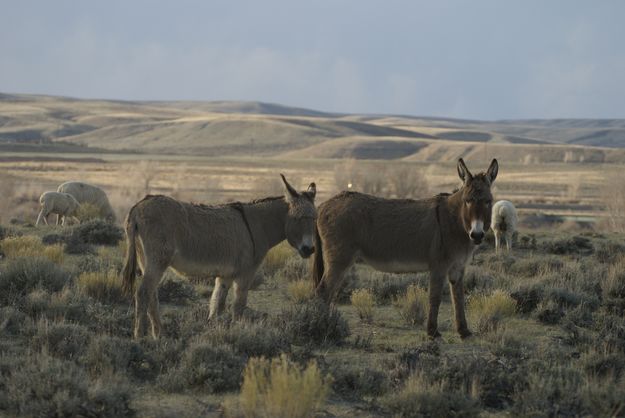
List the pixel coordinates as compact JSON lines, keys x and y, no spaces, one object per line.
{"x":228,"y":128}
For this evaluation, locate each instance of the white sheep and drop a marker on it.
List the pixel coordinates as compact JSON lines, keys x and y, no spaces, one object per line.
{"x":504,"y":222}
{"x":87,"y":193}
{"x":62,"y":204}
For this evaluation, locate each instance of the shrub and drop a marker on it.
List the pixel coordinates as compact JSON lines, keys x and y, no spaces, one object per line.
{"x":294,"y":268}
{"x":300,"y":291}
{"x":52,"y":239}
{"x":549,"y":312}
{"x":413,"y":305}
{"x":573,"y":245}
{"x":21,"y":276}
{"x":173,"y":289}
{"x":613,"y":285}
{"x":313,"y":323}
{"x":205,"y":366}
{"x":88,"y":212}
{"x":385,"y":286}
{"x":362,"y":300}
{"x":97,"y":232}
{"x":276,"y":258}
{"x":475,"y":281}
{"x":527,"y":298}
{"x":609,"y":252}
{"x":106,"y":355}
{"x":104,"y":287}
{"x":252,"y":339}
{"x":30,"y":246}
{"x":486,"y":311}
{"x":352,"y":381}
{"x":60,"y":339}
{"x":75,"y":245}
{"x":280,"y":389}
{"x":43,"y":386}
{"x":12,"y":321}
{"x":419,"y":398}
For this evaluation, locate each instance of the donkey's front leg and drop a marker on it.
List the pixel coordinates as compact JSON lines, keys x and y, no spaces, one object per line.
{"x":436,"y":287}
{"x":218,"y":299}
{"x":456,"y":282}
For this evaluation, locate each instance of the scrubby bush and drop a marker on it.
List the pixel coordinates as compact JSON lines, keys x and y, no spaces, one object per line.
{"x":97,"y":232}
{"x":280,"y":389}
{"x":76,"y":246}
{"x":609,"y":252}
{"x":43,"y":386}
{"x":419,"y":398}
{"x":30,"y":246}
{"x":413,"y":305}
{"x":573,"y":245}
{"x":313,"y":323}
{"x":300,"y":291}
{"x":527,"y":298}
{"x":487,"y":311}
{"x":52,"y":239}
{"x":549,"y":312}
{"x":364,"y":303}
{"x":476,"y":281}
{"x":12,"y":321}
{"x":87,"y":212}
{"x":276,"y":258}
{"x":20,"y":276}
{"x":208,"y":367}
{"x":61,"y":339}
{"x":294,"y":268}
{"x":613,"y":285}
{"x":385,"y":286}
{"x":173,"y":289}
{"x":252,"y":339}
{"x":352,"y":382}
{"x":106,"y":355}
{"x":104,"y":287}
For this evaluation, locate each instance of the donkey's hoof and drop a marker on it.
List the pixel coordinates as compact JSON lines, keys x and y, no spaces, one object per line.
{"x":465,"y":334}
{"x":434,"y":335}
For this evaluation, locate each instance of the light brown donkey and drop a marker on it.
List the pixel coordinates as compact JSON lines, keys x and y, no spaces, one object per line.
{"x":226,"y":241}
{"x":437,"y":234}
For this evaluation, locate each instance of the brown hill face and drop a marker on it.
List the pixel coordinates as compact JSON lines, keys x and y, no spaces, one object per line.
{"x":251,"y":128}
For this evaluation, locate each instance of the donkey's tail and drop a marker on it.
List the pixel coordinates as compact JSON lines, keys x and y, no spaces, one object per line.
{"x":317,"y":270}
{"x":129,"y":272}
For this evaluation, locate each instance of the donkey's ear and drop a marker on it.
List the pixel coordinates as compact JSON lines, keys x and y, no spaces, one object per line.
{"x":463,"y":172}
{"x":492,"y":171}
{"x":312,"y":190}
{"x":290,"y":192}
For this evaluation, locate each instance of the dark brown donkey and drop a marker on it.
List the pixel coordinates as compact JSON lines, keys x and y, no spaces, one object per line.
{"x":437,"y":234}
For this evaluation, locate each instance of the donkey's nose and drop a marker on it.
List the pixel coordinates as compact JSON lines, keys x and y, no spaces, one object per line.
{"x":307,"y":251}
{"x":477,"y":236}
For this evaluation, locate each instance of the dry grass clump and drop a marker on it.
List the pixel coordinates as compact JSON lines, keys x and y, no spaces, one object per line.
{"x":420,"y":398}
{"x":364,"y":302}
{"x":104,"y":286}
{"x":487,"y":311}
{"x":31,"y":246}
{"x":278,"y":388}
{"x":87,"y":212}
{"x":21,"y":276}
{"x":300,"y":291}
{"x":276,"y":258}
{"x":412,"y":305}
{"x":613,"y":285}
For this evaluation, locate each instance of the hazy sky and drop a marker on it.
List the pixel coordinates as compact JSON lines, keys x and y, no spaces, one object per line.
{"x":469,"y":59}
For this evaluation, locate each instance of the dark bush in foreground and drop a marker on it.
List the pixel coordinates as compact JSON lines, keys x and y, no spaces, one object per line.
{"x":20,"y":276}
{"x":42,"y":386}
{"x":175,"y":290}
{"x":206,"y":367}
{"x":353,"y":382}
{"x":107,"y":355}
{"x":420,"y":399}
{"x":65,"y":340}
{"x":313,"y":323}
{"x":75,"y":245}
{"x":12,"y":321}
{"x":98,"y":232}
{"x":51,"y":239}
{"x":527,"y":298}
{"x":252,"y":339}
{"x":573,"y":245}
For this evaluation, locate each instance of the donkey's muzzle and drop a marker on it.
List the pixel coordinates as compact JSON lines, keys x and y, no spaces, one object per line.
{"x":306,"y":251}
{"x":477,"y":237}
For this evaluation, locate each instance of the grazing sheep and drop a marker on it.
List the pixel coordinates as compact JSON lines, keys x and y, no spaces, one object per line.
{"x":87,"y":193}
{"x":504,"y":222}
{"x":63,"y":204}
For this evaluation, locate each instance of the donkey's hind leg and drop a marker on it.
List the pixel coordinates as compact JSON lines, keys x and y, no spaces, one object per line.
{"x":146,"y":302}
{"x":218,"y":299}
